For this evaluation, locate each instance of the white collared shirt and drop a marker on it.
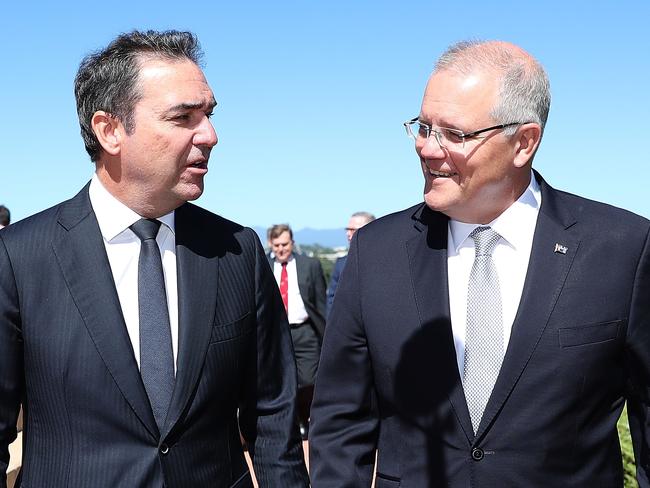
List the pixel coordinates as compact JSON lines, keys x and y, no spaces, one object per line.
{"x":123,"y":250}
{"x":511,"y":255}
{"x":297,"y":313}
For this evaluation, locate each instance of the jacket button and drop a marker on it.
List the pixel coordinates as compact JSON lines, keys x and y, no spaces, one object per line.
{"x":164,"y":449}
{"x":477,"y":454}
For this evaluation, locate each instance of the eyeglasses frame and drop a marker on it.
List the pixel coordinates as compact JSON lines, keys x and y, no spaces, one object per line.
{"x":460,"y":133}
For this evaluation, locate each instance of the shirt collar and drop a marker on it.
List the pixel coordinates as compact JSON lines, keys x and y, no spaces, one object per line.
{"x":291,"y":258}
{"x":112,"y":215}
{"x":509,"y":224}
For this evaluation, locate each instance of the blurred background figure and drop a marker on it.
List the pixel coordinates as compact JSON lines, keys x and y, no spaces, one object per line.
{"x":357,"y":220}
{"x":302,"y":286}
{"x":5,"y":216}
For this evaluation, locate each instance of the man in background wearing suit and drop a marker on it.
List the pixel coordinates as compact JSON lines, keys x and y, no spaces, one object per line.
{"x":357,"y":220}
{"x":491,"y":335}
{"x":141,"y":332}
{"x":302,"y":287}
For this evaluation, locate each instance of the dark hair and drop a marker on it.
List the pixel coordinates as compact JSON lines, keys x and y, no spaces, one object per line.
{"x":276,"y":230}
{"x":108,"y":79}
{"x":5,"y":216}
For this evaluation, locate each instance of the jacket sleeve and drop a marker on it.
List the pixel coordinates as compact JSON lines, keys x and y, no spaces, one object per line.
{"x":638,"y":366}
{"x":344,"y":424}
{"x":331,"y":289}
{"x":268,"y":409}
{"x":320,"y":298}
{"x":11,"y":360}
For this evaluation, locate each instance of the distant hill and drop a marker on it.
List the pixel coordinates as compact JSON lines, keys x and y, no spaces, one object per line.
{"x":324,"y":237}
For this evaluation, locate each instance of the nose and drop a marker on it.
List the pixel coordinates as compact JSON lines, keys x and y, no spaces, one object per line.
{"x":430,"y":148}
{"x":205,"y":134}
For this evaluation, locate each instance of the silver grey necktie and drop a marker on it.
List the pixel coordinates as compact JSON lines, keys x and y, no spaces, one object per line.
{"x":484,"y":332}
{"x":156,"y":356}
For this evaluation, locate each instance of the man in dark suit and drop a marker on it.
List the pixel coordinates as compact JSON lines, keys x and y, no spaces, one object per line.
{"x":357,"y":220}
{"x":302,"y":288}
{"x":142,"y":333}
{"x":490,"y":336}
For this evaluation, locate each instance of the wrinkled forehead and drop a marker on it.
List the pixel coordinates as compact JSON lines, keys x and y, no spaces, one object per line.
{"x":174,"y":81}
{"x":453,"y":97}
{"x":283,"y":238}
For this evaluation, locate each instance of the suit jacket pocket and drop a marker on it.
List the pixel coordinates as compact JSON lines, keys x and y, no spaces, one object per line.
{"x":590,"y":334}
{"x":231,"y":330}
{"x":385,"y":481}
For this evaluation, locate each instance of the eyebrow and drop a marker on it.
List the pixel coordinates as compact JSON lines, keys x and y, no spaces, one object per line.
{"x":449,"y":125}
{"x":193,"y":106}
{"x":443,"y":123}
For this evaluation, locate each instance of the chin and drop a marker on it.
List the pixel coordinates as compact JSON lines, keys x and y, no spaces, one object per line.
{"x":432,"y":199}
{"x":436,"y":203}
{"x":191,"y":192}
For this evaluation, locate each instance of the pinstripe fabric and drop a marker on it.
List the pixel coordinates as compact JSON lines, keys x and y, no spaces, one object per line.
{"x":87,"y":421}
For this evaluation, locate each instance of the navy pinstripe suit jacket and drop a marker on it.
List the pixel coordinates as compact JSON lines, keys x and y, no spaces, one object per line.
{"x":66,"y":355}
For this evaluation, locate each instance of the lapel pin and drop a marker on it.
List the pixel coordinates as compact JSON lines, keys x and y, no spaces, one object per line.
{"x":560,"y":248}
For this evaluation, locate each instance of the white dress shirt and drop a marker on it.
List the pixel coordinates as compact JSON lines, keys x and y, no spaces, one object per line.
{"x":516,"y":226}
{"x":297,"y":313}
{"x":123,"y":250}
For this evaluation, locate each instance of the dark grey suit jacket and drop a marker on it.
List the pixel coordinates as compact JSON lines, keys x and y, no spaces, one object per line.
{"x":66,"y":355}
{"x":580,"y":346}
{"x":334,"y":282}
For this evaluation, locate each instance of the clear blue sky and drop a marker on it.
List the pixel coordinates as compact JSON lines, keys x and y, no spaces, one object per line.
{"x":312,"y":95}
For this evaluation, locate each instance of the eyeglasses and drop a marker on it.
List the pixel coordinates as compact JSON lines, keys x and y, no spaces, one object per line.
{"x":445,"y":136}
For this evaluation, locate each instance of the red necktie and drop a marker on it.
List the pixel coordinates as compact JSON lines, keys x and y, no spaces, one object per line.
{"x":284,"y":286}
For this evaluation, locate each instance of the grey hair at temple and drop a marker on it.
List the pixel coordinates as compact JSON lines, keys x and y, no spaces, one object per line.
{"x":524,"y":95}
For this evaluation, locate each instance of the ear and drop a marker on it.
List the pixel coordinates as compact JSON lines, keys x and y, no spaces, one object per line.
{"x":526,"y":143}
{"x":108,"y":130}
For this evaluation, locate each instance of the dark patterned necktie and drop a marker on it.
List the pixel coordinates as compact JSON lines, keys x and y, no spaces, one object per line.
{"x":156,"y":355}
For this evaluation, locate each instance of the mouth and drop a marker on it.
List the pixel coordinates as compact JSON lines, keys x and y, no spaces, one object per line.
{"x":440,"y":174}
{"x":200,"y":165}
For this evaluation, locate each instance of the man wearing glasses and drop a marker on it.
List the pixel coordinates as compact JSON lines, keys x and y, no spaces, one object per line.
{"x":491,"y":335}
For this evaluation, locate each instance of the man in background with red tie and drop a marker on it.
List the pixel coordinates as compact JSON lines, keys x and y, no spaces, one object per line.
{"x":302,"y":286}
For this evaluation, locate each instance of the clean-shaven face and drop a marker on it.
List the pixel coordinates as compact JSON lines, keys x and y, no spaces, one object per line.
{"x":282,"y":247}
{"x":473,"y":183}
{"x":163,"y":162}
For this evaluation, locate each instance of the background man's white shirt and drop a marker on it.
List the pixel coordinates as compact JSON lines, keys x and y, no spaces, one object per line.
{"x":297,"y":313}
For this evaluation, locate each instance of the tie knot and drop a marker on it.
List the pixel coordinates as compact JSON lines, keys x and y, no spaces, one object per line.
{"x":284,"y":265}
{"x":485,"y":240}
{"x":146,"y":228}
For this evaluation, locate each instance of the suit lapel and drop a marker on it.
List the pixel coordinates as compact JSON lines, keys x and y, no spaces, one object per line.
{"x":547,"y":272}
{"x":82,"y":257}
{"x":427,"y":252}
{"x":303,"y":277}
{"x":198,"y":276}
